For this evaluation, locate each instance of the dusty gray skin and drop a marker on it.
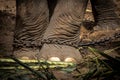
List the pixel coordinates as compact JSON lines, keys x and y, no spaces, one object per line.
{"x":41,"y":34}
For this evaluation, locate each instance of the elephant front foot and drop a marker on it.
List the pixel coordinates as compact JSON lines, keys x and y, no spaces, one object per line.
{"x":55,"y":52}
{"x":26,"y":53}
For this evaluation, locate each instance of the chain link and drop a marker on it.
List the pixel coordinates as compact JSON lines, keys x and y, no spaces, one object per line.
{"x":21,"y":43}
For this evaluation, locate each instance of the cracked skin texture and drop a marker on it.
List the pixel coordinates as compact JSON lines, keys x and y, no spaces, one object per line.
{"x":94,"y":35}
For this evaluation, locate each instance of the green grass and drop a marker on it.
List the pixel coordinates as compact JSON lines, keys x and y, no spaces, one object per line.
{"x":100,"y":66}
{"x":14,"y":69}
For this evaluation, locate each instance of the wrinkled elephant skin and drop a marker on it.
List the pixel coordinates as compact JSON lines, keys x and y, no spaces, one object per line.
{"x":54,"y":28}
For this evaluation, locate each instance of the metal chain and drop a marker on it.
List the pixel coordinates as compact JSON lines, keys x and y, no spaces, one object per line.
{"x":56,"y":41}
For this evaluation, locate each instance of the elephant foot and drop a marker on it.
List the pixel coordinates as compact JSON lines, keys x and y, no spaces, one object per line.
{"x":26,"y":53}
{"x":50,"y":52}
{"x":107,"y":25}
{"x":55,"y":52}
{"x":100,"y":36}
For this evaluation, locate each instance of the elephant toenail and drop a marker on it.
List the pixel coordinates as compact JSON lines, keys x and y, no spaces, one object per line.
{"x":69,"y":59}
{"x":25,"y":58}
{"x":54,"y":59}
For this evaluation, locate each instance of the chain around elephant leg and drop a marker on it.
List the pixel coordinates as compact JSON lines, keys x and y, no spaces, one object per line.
{"x":107,"y":23}
{"x":31,"y":23}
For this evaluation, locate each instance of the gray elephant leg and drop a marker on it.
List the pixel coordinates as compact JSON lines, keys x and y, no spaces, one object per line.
{"x":32,"y":21}
{"x":105,"y":15}
{"x":107,"y":22}
{"x":64,"y":28}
